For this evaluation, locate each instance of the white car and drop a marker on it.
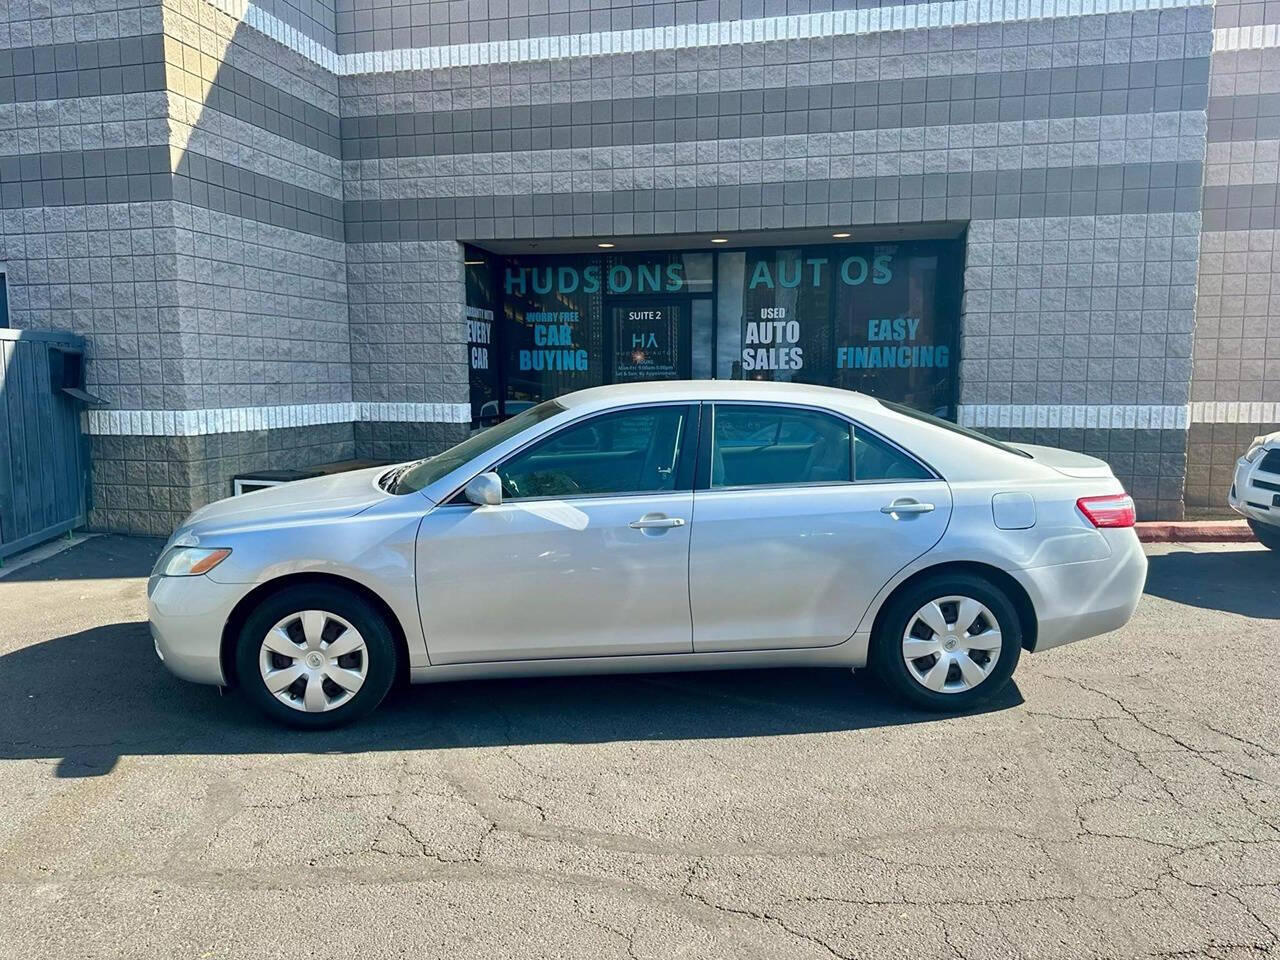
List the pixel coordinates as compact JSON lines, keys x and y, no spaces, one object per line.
{"x":1255,"y":490}
{"x":656,"y":526}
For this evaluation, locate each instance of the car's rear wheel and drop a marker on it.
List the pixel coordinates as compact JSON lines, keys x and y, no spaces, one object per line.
{"x":948,"y":642}
{"x":1267,"y":535}
{"x":315,"y":657}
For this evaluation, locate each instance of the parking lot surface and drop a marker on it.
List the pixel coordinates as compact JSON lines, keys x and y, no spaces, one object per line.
{"x":1123,"y":801}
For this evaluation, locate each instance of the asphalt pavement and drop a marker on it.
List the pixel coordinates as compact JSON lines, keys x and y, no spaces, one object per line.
{"x":1122,"y":801}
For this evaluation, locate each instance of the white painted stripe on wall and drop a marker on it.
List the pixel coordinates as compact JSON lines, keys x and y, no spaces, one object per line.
{"x":1235,"y":411}
{"x":947,"y":13}
{"x":194,"y":423}
{"x":1260,"y":36}
{"x":414,"y":412}
{"x":279,"y":31}
{"x":1093,"y":416}
{"x":1119,"y":416}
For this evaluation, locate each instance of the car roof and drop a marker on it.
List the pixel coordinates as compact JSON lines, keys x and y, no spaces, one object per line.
{"x":761,"y":390}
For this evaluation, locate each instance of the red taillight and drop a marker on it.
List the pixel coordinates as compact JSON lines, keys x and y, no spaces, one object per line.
{"x":1113,"y":510}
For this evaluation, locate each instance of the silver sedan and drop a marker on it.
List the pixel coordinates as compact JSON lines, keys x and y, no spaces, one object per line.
{"x":649,"y":527}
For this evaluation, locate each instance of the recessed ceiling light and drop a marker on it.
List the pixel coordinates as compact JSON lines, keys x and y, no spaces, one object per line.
{"x":473,"y":263}
{"x":719,"y":240}
{"x":840,"y":236}
{"x":605,"y":246}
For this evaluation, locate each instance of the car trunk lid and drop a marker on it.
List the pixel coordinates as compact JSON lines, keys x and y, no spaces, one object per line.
{"x":1067,"y":462}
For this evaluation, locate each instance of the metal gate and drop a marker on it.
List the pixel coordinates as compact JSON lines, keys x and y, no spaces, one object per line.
{"x":44,"y":463}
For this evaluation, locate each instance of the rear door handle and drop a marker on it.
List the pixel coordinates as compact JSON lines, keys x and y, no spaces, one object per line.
{"x":907,"y":506}
{"x":656,"y":523}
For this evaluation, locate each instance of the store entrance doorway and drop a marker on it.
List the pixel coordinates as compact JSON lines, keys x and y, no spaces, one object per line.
{"x":660,"y":338}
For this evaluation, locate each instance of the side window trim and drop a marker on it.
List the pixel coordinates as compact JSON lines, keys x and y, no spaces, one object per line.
{"x":702,"y":470}
{"x":925,"y":465}
{"x":683,"y":473}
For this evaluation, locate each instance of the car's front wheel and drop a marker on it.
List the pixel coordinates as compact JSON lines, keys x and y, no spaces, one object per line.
{"x":948,"y":642}
{"x":1267,"y":535}
{"x":315,"y":657}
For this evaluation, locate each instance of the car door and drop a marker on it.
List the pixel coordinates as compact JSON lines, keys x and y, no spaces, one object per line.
{"x":800,"y":519}
{"x":587,"y":555}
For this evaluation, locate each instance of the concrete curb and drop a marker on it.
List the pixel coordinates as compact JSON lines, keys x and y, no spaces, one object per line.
{"x":1194,"y":531}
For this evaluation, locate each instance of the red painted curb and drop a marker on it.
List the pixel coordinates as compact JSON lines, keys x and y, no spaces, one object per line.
{"x":1194,"y":531}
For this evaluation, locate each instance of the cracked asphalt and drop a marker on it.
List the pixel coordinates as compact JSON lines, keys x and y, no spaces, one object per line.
{"x":1123,"y":801}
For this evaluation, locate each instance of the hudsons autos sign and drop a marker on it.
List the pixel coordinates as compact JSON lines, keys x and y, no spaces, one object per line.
{"x":623,"y":278}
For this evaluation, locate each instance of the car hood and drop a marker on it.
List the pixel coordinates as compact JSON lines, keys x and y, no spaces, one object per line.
{"x":300,"y":501}
{"x":1067,"y":462}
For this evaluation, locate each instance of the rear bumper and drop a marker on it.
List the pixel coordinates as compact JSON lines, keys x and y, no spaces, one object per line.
{"x":1074,"y":601}
{"x":187,"y":615}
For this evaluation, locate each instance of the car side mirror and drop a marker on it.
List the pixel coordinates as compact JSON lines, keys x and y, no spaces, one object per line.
{"x":484,"y":490}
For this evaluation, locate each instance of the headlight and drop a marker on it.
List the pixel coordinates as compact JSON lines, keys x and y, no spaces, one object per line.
{"x":190,"y":561}
{"x":1255,"y":449}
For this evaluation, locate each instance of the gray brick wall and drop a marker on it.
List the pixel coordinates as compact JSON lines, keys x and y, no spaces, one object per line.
{"x":406,"y":441}
{"x":147,"y":485}
{"x":1074,"y":147}
{"x":170,"y":188}
{"x":408,"y":335}
{"x":316,"y":19}
{"x":1237,"y":338}
{"x":1212,"y":452}
{"x":27,"y":23}
{"x":261,"y":275}
{"x":233,"y":224}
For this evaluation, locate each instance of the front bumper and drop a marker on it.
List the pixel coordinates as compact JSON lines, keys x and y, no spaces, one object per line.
{"x":1255,"y":494}
{"x":187,"y":615}
{"x":1074,"y":601}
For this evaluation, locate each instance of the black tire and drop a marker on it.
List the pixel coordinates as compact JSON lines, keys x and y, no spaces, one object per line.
{"x":886,"y":654}
{"x":1267,"y":535}
{"x":380,"y":648}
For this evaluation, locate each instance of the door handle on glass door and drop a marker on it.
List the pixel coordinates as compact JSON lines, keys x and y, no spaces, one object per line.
{"x":656,"y":523}
{"x":906,"y":506}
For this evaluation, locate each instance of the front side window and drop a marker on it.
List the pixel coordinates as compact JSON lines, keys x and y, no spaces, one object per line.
{"x":630,"y":451}
{"x":769,"y":445}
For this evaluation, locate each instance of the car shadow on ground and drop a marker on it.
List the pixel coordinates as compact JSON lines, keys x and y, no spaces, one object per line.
{"x":1244,"y":581}
{"x":88,"y":698}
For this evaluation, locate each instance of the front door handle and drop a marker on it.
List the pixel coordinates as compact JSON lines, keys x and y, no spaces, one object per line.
{"x":656,"y":523}
{"x":906,"y":506}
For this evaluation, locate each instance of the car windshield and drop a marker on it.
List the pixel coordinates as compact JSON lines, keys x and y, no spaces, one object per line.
{"x":412,"y":477}
{"x":954,"y":428}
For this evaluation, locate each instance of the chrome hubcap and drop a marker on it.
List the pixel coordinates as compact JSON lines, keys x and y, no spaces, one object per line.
{"x":313,"y":661}
{"x":951,"y":644}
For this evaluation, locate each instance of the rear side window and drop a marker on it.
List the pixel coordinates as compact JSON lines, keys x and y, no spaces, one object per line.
{"x":755,"y":446}
{"x":873,"y":460}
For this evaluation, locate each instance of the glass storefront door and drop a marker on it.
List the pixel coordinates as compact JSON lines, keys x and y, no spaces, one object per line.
{"x":659,"y":339}
{"x":649,"y":340}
